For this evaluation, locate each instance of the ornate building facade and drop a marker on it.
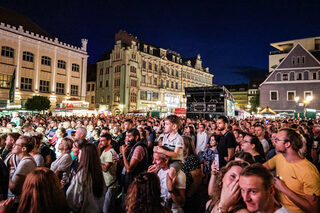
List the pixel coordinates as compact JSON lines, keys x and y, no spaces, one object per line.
{"x":34,"y":63}
{"x":135,"y":76}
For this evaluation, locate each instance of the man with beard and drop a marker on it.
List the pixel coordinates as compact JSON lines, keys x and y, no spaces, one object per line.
{"x":227,"y":143}
{"x":109,"y":168}
{"x":298,"y":179}
{"x":135,"y":157}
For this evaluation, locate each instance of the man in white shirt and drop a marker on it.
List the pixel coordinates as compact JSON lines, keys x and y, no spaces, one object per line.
{"x":260,"y":132}
{"x":172,"y":190}
{"x":202,"y":138}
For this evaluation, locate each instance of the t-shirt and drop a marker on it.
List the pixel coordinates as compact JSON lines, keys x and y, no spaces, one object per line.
{"x":283,"y":210}
{"x":25,"y":166}
{"x":177,"y":141}
{"x":202,"y":139}
{"x":39,"y":160}
{"x":227,"y":141}
{"x":302,"y":177}
{"x":110,"y":175}
{"x":180,"y":184}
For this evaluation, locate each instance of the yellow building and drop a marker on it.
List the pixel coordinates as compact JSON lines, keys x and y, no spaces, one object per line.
{"x":139,"y":76}
{"x":34,"y":63}
{"x":240,"y":94}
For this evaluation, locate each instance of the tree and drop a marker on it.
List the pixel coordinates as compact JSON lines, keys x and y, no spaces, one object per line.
{"x":254,"y":103}
{"x":38,"y":103}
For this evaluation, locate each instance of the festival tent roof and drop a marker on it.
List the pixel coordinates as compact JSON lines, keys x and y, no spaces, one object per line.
{"x":267,"y":110}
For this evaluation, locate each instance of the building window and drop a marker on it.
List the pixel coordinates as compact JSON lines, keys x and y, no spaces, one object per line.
{"x":298,"y":59}
{"x":45,"y":60}
{"x":177,"y":85}
{"x":60,"y":88}
{"x":7,"y":52}
{"x":143,"y":79}
{"x":155,"y":67}
{"x":101,"y":99}
{"x":26,"y":84}
{"x":284,"y":76}
{"x":5,"y":81}
{"x":143,"y":95}
{"x":177,"y":73}
{"x":101,"y":71}
{"x":92,"y":87}
{"x":117,"y":69}
{"x":116,"y":97}
{"x":314,"y":76}
{"x":291,"y":95}
{"x":273,"y":95}
{"x":88,"y":87}
{"x":75,"y":67}
{"x":291,"y":76}
{"x":133,"y":97}
{"x":155,"y":96}
{"x":307,"y":94}
{"x":44,"y":86}
{"x":150,"y":66}
{"x":299,"y":76}
{"x":149,"y":80}
{"x":117,"y":82}
{"x":144,"y":64}
{"x":161,"y":82}
{"x":149,"y":96}
{"x":133,"y":69}
{"x":155,"y":81}
{"x":27,"y":56}
{"x":184,"y":85}
{"x":303,"y":59}
{"x":92,"y":99}
{"x":171,"y":84}
{"x":306,"y":75}
{"x":172,"y":72}
{"x":107,"y":83}
{"x":108,"y":98}
{"x":74,"y":90}
{"x":167,"y":84}
{"x":107,"y":71}
{"x":293,"y":60}
{"x":61,"y":64}
{"x":133,"y":83}
{"x":100,"y":84}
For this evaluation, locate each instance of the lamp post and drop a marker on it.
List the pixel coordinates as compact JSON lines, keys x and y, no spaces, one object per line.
{"x":304,"y":103}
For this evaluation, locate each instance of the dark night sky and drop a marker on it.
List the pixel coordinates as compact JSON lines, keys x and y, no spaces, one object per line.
{"x":232,"y":37}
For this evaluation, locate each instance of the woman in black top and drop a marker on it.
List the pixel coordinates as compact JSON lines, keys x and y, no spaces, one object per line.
{"x":252,"y":145}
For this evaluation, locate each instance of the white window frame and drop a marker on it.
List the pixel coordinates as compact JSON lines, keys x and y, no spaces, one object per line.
{"x":294,"y":92}
{"x":287,"y":76}
{"x":277,"y":95}
{"x":304,"y":94}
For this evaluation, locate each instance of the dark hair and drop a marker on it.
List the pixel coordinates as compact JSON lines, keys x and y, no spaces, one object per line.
{"x":91,"y":165}
{"x":144,"y":194}
{"x":189,"y":148}
{"x":107,"y":136}
{"x":97,"y":130}
{"x":14,"y":135}
{"x":294,"y":138}
{"x":246,"y":156}
{"x":28,"y":142}
{"x":224,"y":119}
{"x":134,"y":133}
{"x":260,"y":171}
{"x":216,"y":137}
{"x":128,"y":120}
{"x":148,"y":128}
{"x":174,"y":119}
{"x":257,"y":144}
{"x":80,"y":142}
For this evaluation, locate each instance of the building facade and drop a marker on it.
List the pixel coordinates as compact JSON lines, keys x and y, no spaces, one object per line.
{"x":294,"y":85}
{"x":139,"y":76}
{"x":240,"y":94}
{"x":34,"y":63}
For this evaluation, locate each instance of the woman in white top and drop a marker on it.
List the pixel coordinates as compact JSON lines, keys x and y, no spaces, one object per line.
{"x":61,"y":166}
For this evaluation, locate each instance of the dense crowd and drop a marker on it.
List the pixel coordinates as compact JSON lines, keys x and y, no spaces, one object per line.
{"x":139,"y":164}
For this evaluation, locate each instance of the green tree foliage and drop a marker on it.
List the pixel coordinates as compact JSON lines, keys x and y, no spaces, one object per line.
{"x":255,"y":103}
{"x":38,"y":103}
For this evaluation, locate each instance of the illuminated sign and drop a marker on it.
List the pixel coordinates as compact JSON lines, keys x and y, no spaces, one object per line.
{"x":75,"y":104}
{"x":13,"y":106}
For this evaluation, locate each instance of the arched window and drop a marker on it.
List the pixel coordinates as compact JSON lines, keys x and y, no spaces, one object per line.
{"x":61,"y":64}
{"x":7,"y":52}
{"x":117,"y":69}
{"x":291,"y":76}
{"x":306,"y":75}
{"x":45,"y":60}
{"x":133,"y":69}
{"x":75,"y":67}
{"x":27,"y":56}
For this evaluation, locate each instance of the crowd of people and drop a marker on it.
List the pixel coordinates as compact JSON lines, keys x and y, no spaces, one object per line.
{"x":140,"y":164}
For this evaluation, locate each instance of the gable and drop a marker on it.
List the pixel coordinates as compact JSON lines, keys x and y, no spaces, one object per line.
{"x":298,"y":57}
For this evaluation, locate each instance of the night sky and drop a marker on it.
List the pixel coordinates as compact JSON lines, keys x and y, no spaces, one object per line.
{"x":232,"y":37}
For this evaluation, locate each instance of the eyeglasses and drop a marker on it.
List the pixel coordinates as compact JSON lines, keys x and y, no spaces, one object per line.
{"x":18,"y":145}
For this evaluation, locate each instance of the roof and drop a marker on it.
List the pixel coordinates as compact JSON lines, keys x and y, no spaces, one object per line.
{"x":105,"y":56}
{"x":15,"y":19}
{"x":237,"y":87}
